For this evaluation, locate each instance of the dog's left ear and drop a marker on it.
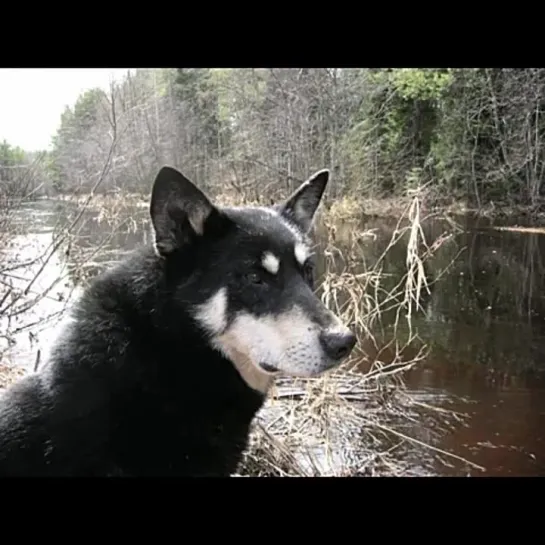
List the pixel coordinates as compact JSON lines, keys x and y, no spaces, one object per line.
{"x":179,"y":210}
{"x":301,"y":205}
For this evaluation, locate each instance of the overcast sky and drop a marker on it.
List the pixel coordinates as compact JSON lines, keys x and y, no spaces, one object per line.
{"x":32,"y":100}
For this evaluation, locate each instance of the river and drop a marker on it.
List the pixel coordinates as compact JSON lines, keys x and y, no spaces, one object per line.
{"x":483,"y":321}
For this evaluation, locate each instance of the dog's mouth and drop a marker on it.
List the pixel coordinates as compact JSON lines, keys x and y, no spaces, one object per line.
{"x":268,"y":368}
{"x":272,"y":370}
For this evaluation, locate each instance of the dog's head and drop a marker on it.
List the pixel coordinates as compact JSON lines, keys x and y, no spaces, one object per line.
{"x":251,"y":280}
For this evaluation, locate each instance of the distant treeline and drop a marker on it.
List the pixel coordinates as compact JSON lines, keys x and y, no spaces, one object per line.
{"x":465,"y":134}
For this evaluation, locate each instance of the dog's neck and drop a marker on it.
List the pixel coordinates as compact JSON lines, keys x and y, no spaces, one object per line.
{"x":254,"y":378}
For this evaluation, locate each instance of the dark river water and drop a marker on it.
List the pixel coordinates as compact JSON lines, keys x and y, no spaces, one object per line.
{"x":483,"y":320}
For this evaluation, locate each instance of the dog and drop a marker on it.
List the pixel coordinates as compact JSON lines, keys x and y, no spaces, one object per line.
{"x":170,"y":354}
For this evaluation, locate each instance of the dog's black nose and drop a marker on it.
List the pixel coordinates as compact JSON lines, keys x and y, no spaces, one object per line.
{"x":337,"y":345}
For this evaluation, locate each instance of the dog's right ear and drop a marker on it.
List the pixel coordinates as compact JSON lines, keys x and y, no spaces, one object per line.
{"x":178,"y":209}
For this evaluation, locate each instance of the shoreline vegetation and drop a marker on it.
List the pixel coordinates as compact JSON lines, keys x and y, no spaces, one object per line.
{"x":350,"y":207}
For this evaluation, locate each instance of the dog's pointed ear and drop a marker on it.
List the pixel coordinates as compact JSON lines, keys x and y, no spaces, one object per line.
{"x":300,"y":207}
{"x":178,"y":210}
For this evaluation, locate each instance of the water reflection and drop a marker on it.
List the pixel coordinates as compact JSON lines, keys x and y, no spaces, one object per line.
{"x":484,"y":320}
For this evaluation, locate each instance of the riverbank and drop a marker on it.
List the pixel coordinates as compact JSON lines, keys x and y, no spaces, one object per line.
{"x":348,"y":424}
{"x":346,"y":207}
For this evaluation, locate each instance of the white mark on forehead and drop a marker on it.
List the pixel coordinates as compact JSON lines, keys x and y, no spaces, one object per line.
{"x":212,"y":314}
{"x":270,"y":262}
{"x":301,"y":252}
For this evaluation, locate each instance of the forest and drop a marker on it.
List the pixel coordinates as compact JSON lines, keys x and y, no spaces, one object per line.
{"x":472,"y":137}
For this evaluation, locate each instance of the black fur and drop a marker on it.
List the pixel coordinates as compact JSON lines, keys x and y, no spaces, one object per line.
{"x":133,"y":387}
{"x":123,"y":394}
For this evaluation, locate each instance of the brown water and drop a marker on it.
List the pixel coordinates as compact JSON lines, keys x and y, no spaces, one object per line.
{"x":484,"y":322}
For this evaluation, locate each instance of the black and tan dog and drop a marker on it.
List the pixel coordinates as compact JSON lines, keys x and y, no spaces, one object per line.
{"x":169,"y":355}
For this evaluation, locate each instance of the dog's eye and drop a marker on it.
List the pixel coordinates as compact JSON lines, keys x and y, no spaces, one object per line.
{"x":254,"y":278}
